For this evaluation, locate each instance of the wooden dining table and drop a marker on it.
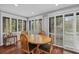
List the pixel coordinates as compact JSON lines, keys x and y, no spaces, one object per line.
{"x":39,"y":40}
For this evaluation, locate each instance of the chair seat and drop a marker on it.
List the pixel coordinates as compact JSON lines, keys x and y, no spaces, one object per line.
{"x":45,"y":47}
{"x":31,"y":46}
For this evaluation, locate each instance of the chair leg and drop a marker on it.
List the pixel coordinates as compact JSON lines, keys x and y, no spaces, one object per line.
{"x":37,"y":49}
{"x":42,"y":51}
{"x":32,"y":52}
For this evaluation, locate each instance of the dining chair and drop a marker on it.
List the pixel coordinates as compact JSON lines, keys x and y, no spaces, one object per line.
{"x":47,"y":48}
{"x":42,"y":33}
{"x":24,"y":32}
{"x":25,"y":46}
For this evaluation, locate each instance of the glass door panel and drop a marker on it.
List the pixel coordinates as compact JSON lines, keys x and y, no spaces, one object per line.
{"x":59,"y":30}
{"x":14,"y":25}
{"x":6,"y":24}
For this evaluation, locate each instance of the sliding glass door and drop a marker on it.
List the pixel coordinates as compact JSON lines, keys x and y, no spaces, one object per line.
{"x":69,"y":31}
{"x":51,"y":26}
{"x":59,"y":30}
{"x":66,"y":30}
{"x":77,"y":32}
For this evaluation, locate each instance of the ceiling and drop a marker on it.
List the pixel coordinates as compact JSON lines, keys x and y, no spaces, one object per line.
{"x":29,"y":10}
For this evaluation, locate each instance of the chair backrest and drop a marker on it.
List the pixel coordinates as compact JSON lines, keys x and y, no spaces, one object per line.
{"x":24,"y":32}
{"x":52,"y":37}
{"x":24,"y":42}
{"x":42,"y":33}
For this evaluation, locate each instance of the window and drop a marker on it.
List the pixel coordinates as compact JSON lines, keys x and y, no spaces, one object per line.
{"x":38,"y":25}
{"x":6,"y":24}
{"x":68,"y":23}
{"x":33,"y":24}
{"x":77,"y":25}
{"x":29,"y":25}
{"x":24,"y":25}
{"x":19,"y":25}
{"x":51,"y":25}
{"x":14,"y":25}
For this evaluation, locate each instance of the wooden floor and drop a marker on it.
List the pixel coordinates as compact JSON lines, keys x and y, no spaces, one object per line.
{"x":9,"y":50}
{"x":13,"y":49}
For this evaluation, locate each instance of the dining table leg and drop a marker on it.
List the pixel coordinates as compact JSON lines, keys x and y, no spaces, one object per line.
{"x":38,"y":50}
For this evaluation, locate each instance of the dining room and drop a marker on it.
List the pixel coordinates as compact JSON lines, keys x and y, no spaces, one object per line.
{"x":39,"y":29}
